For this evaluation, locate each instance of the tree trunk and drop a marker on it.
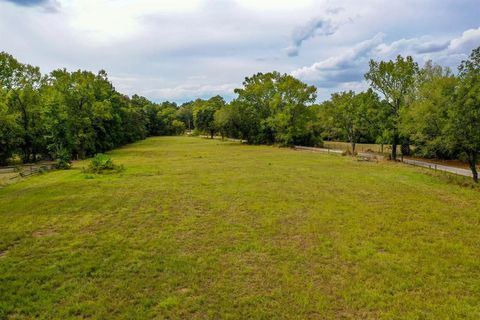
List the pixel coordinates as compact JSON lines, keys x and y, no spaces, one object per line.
{"x":472,"y":161}
{"x":406,"y":149}
{"x":394,"y":146}
{"x":26,"y":149}
{"x":353,"y":147}
{"x":211,"y":134}
{"x":26,"y":155}
{"x":81,"y":154}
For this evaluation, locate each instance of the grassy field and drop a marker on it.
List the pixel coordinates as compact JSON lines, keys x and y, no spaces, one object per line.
{"x":201,"y":229}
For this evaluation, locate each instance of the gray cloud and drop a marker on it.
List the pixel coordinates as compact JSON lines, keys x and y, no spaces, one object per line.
{"x":47,"y":5}
{"x":429,"y":47}
{"x":315,"y":27}
{"x":420,"y":45}
{"x":178,"y":50}
{"x":29,"y":3}
{"x":335,"y":10}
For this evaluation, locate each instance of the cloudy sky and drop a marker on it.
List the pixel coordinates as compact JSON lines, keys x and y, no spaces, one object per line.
{"x":180,"y":50}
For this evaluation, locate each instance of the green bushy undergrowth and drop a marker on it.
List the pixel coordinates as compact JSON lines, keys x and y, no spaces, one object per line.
{"x":102,"y":163}
{"x":63,"y":159}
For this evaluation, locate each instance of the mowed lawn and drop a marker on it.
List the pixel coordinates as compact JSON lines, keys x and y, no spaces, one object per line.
{"x":204,"y":229}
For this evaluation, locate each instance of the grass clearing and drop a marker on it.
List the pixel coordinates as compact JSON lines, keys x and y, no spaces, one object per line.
{"x":198,"y":228}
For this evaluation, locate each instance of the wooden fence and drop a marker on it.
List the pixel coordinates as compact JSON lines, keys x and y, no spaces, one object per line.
{"x":26,"y":170}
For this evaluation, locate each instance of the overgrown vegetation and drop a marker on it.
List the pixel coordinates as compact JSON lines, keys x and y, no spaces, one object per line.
{"x":63,"y":159}
{"x":200,"y":229}
{"x":102,"y":163}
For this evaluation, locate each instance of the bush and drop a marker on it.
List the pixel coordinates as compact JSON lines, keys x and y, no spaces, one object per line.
{"x":101,"y":162}
{"x":63,"y":159}
{"x":178,"y":127}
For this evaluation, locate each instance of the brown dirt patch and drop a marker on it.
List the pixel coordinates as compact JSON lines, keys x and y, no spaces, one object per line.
{"x":44,"y":233}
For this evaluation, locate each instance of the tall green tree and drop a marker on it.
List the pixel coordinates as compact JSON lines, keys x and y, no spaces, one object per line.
{"x":56,"y":123}
{"x":395,"y":80}
{"x":23,"y":81}
{"x":292,"y":116}
{"x":351,"y":114}
{"x":463,"y":125}
{"x":276,"y":109}
{"x":185,"y":114}
{"x":167,"y":118}
{"x":223,"y":121}
{"x":9,"y":130}
{"x":424,"y":121}
{"x":204,"y":114}
{"x":133,"y":120}
{"x":150,"y":110}
{"x":74,"y":114}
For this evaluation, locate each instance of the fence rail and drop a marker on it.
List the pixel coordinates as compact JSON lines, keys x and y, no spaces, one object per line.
{"x":375,"y":156}
{"x":361,"y":147}
{"x":27,"y":169}
{"x":322,"y":150}
{"x":438,"y":167}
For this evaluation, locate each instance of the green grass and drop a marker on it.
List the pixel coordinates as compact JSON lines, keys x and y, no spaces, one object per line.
{"x":203,"y":229}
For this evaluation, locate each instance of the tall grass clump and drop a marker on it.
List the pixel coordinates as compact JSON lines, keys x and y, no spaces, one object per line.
{"x":102,"y":163}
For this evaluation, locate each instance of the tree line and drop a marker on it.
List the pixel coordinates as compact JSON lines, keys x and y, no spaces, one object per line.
{"x":428,"y":111}
{"x":72,"y":115}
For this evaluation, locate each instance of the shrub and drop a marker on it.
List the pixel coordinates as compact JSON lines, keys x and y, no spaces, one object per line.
{"x":63,"y":159}
{"x":178,"y":127}
{"x":102,"y":162}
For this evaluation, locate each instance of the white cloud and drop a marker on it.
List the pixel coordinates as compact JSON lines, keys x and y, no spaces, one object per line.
{"x":273,"y":5}
{"x":190,"y":92}
{"x":189,"y":89}
{"x":464,"y":43}
{"x":356,"y":86}
{"x":345,"y":70}
{"x":469,"y":40}
{"x":107,"y":21}
{"x":341,"y":63}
